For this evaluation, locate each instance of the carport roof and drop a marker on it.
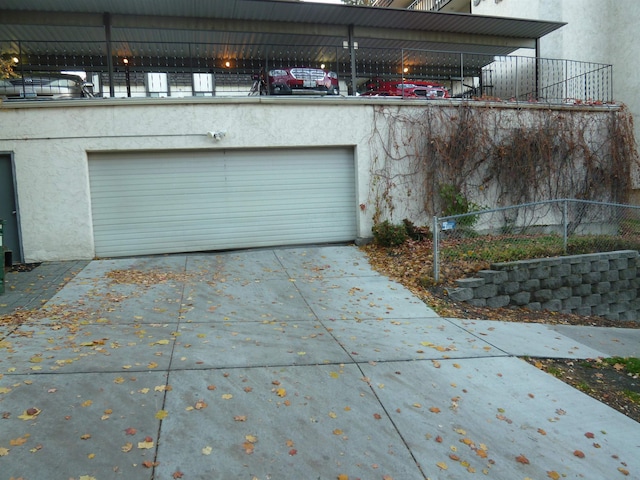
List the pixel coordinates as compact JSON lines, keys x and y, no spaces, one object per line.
{"x":38,"y":24}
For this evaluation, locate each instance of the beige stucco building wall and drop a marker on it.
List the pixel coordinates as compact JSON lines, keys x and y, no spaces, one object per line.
{"x":51,"y":142}
{"x":601,"y":31}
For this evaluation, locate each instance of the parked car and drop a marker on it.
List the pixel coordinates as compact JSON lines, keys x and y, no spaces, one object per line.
{"x":301,"y":80}
{"x":45,"y":86}
{"x":377,"y":87}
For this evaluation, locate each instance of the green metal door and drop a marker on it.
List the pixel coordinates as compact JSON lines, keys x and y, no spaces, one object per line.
{"x":8,"y":208}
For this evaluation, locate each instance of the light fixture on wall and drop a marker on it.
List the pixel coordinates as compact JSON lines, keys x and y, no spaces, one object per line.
{"x":217,"y":135}
{"x":15,"y":60}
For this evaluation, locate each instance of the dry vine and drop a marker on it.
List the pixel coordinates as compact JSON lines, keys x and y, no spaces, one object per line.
{"x":499,"y":156}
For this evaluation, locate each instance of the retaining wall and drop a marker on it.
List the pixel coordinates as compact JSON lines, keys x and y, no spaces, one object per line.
{"x":603,"y":284}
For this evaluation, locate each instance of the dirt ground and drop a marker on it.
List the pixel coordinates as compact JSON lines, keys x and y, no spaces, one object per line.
{"x":411,"y":265}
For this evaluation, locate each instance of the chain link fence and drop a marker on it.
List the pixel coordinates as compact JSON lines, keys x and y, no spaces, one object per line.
{"x":532,"y":230}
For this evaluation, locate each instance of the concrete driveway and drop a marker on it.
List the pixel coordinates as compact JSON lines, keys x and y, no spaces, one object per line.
{"x":293,"y":363}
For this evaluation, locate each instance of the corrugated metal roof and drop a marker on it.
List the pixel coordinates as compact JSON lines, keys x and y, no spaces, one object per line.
{"x":257,"y":22}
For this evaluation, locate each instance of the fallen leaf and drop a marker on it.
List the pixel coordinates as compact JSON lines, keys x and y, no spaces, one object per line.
{"x":337,"y":431}
{"x":578,"y":454}
{"x":127,"y":447}
{"x":281,"y":392}
{"x":589,"y":435}
{"x":442,"y":465}
{"x":251,"y":438}
{"x":86,"y":436}
{"x":553,"y":475}
{"x":240,"y":418}
{"x":131,"y":431}
{"x":200,"y":404}
{"x":16,"y":442}
{"x":4,"y":452}
{"x":177,"y":474}
{"x":293,"y":452}
{"x":248,"y":447}
{"x":522,"y":459}
{"x":434,"y":410}
{"x":211,"y":387}
{"x":623,"y":471}
{"x":145,"y":445}
{"x":207,"y":450}
{"x":29,"y":414}
{"x":342,"y":476}
{"x":227,"y":396}
{"x":161,"y":414}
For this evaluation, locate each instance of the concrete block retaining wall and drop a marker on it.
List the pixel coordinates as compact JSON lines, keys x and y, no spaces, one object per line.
{"x":603,"y":284}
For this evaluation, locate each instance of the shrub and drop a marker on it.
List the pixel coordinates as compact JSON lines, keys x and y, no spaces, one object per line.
{"x":455,"y":203}
{"x":388,"y":234}
{"x":416,"y":233}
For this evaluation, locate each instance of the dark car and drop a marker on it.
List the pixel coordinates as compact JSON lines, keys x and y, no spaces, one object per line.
{"x":45,"y":86}
{"x":301,"y":80}
{"x":423,"y":89}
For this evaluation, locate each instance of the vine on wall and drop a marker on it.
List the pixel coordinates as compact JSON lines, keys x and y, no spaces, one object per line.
{"x":498,"y":156}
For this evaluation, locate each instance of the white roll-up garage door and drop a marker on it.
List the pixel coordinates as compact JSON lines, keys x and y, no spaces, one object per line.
{"x":164,"y":202}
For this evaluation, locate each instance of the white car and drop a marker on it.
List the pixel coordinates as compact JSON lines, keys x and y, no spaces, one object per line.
{"x":45,"y":86}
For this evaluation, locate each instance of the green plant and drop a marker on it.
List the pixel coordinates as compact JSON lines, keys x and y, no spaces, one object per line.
{"x":631,"y":395}
{"x":454,"y":202}
{"x":388,"y":234}
{"x":556,"y":372}
{"x":631,"y":364}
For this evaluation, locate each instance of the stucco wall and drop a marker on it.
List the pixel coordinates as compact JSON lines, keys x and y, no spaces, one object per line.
{"x":600,"y":31}
{"x":51,"y":141}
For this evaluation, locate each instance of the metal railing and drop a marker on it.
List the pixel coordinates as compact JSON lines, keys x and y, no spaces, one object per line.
{"x":428,"y":5}
{"x":537,"y":229}
{"x":201,"y":69}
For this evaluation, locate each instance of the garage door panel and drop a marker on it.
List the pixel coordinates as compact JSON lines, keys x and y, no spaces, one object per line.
{"x":185,"y":201}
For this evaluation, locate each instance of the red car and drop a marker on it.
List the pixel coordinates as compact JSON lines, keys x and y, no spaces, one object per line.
{"x":407,"y":89}
{"x":297,"y":80}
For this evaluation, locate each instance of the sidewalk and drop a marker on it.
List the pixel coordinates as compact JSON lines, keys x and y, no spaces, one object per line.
{"x":288,"y":364}
{"x":26,"y":290}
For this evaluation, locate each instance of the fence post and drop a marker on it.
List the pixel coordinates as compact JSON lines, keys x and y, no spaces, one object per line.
{"x":564,"y":226}
{"x":436,"y":251}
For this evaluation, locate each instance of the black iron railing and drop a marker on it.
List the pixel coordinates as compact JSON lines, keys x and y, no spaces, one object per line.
{"x":138,"y":69}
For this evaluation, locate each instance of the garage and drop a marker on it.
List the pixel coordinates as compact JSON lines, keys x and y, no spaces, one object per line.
{"x":186,"y":201}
